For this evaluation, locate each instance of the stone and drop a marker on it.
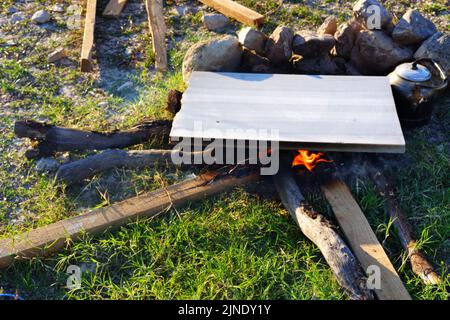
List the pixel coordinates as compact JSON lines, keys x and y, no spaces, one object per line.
{"x":413,"y":28}
{"x":365,"y":12}
{"x":252,"y":62}
{"x":253,"y":40}
{"x":127,"y":85}
{"x":329,"y":26}
{"x":17,"y":17}
{"x":437,"y":47}
{"x":219,"y":54}
{"x":309,"y":44}
{"x":319,"y":65}
{"x":40,"y":16}
{"x":215,"y":21}
{"x":375,"y":53}
{"x":58,"y":7}
{"x":56,"y":55}
{"x":345,"y":37}
{"x":279,"y":46}
{"x":47,"y":165}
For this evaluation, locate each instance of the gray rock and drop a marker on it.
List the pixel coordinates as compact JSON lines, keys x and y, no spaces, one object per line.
{"x":253,"y":39}
{"x":319,"y":65}
{"x":17,"y":17}
{"x":46,"y":165}
{"x":40,"y":16}
{"x":215,"y":21}
{"x":413,"y":28}
{"x":364,"y":13}
{"x":375,"y":53}
{"x":345,"y":38}
{"x":58,"y":7}
{"x":219,"y":54}
{"x":329,"y":26}
{"x":437,"y":47}
{"x":309,"y":44}
{"x":279,"y":46}
{"x":252,"y":62}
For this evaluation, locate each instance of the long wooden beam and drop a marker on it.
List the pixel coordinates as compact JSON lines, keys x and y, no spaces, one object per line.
{"x":363,"y":241}
{"x":158,"y":30}
{"x":88,"y":37}
{"x":48,"y":239}
{"x":114,"y":8}
{"x":236,"y":11}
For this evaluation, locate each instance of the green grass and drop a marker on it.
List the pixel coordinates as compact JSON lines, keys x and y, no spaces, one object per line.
{"x":237,"y":245}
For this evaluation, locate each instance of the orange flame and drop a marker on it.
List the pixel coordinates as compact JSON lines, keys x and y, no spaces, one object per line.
{"x":308,"y":159}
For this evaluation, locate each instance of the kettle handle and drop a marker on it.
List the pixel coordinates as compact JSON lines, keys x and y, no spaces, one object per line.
{"x":436,"y":65}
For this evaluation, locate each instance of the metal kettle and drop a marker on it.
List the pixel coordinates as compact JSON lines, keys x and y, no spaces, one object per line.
{"x":414,"y":86}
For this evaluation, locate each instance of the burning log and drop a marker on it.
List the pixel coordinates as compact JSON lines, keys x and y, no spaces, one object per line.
{"x":320,"y":231}
{"x":50,"y":138}
{"x":419,"y":263}
{"x":48,"y":239}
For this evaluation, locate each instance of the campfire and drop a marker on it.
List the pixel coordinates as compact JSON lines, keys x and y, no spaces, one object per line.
{"x":308,"y":159}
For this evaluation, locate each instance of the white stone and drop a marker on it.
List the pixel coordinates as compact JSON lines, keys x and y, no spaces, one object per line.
{"x":40,"y":16}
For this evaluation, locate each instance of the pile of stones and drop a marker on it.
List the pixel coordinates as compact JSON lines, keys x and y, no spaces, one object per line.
{"x":368,"y":44}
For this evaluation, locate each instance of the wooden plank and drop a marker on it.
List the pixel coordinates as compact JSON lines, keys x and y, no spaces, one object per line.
{"x":46,"y":240}
{"x":328,"y":113}
{"x":88,"y":37}
{"x":158,"y":30}
{"x":114,"y":8}
{"x":363,"y":241}
{"x":236,"y":11}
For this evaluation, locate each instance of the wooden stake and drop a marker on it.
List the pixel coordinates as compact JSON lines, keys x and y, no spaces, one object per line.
{"x":88,"y":37}
{"x":363,"y":241}
{"x":320,"y":231}
{"x":114,"y":8}
{"x":236,"y":11}
{"x":48,"y":239}
{"x":158,"y":30}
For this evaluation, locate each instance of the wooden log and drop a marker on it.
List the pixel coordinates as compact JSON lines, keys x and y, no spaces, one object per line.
{"x":48,"y":239}
{"x":419,"y":263}
{"x":88,"y":37}
{"x":114,"y":8}
{"x":363,"y":240}
{"x":319,"y":230}
{"x":51,"y":139}
{"x":76,"y":171}
{"x":158,"y":30}
{"x":236,"y":11}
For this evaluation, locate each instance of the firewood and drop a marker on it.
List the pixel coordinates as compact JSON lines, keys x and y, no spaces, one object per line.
{"x":419,"y":263}
{"x":236,"y":11}
{"x":50,"y":138}
{"x":319,"y":230}
{"x":46,"y":240}
{"x":114,"y":8}
{"x":88,"y":36}
{"x":363,"y":240}
{"x":79,"y":170}
{"x":158,"y":30}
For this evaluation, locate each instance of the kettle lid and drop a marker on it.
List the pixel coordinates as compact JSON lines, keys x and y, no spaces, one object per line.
{"x":413,"y":71}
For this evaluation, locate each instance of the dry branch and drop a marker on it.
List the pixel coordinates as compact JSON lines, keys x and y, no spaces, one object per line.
{"x":319,"y":230}
{"x":48,"y":239}
{"x":236,"y":11}
{"x":76,"y":171}
{"x":419,"y":263}
{"x":51,"y":139}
